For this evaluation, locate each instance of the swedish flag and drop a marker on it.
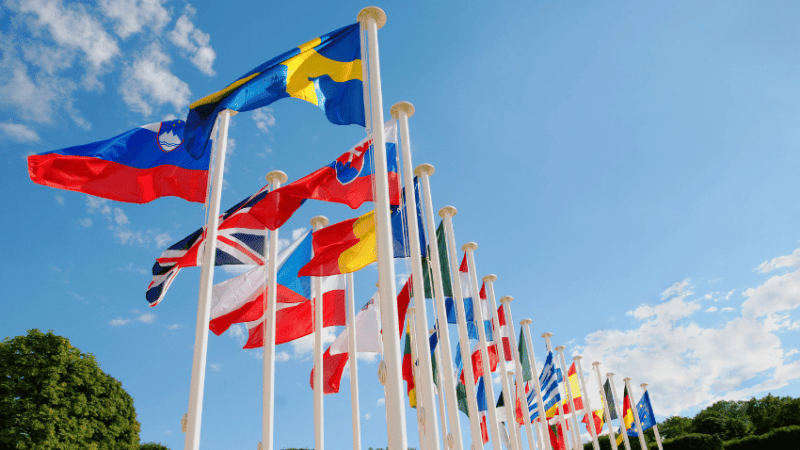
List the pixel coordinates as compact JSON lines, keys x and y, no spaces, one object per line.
{"x":325,"y":71}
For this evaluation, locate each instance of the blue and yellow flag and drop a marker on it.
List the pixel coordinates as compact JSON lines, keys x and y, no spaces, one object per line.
{"x":325,"y":71}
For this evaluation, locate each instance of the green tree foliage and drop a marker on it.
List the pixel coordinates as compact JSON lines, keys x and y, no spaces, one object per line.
{"x":778,"y":438}
{"x":725,"y":428}
{"x":673,"y":427}
{"x":691,"y":441}
{"x":153,"y":446}
{"x":764,"y":412}
{"x":52,"y":396}
{"x":789,"y":414}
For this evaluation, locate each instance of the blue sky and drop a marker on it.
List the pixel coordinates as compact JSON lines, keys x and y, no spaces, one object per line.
{"x":628,"y":170}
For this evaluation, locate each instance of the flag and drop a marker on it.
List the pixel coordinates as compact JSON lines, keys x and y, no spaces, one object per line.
{"x":646,"y":416}
{"x":627,"y":416}
{"x":504,"y":334}
{"x":482,"y":409}
{"x":597,"y":418}
{"x":400,"y":238}
{"x":343,"y":247}
{"x":557,"y":439}
{"x":347,"y":180}
{"x":296,"y":320}
{"x":575,"y":389}
{"x":444,"y":262}
{"x":240,"y":240}
{"x":137,"y":166}
{"x":325,"y":71}
{"x":612,"y":410}
{"x":502,"y":418}
{"x":241,"y":299}
{"x":408,"y":369}
{"x":368,"y":330}
{"x":548,"y":380}
{"x":524,"y":359}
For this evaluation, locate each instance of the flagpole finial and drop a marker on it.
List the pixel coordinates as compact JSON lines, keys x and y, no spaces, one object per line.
{"x":319,"y":221}
{"x":610,"y":374}
{"x":526,"y":321}
{"x":547,"y":335}
{"x":644,"y":386}
{"x":424,"y":169}
{"x":507,"y":299}
{"x":560,"y":347}
{"x":399,"y":107}
{"x":491,"y":278}
{"x":469,"y":246}
{"x":448,"y":211}
{"x":577,"y":358}
{"x":372,"y":12}
{"x":432,"y":330}
{"x":596,"y":363}
{"x":625,"y":380}
{"x":277,"y":175}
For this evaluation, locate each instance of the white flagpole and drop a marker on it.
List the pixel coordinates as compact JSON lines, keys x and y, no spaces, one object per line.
{"x":275,"y":179}
{"x":371,"y":19}
{"x":562,"y":419}
{"x":447,"y":214}
{"x":620,"y":416}
{"x":523,"y":398}
{"x":507,"y":397}
{"x":606,"y":411}
{"x":421,"y":431}
{"x":655,"y":427}
{"x":587,"y":407}
{"x":427,"y":407}
{"x":532,"y":360}
{"x":576,"y":432}
{"x":635,"y":409}
{"x":448,"y":382}
{"x":437,"y":376}
{"x":477,"y":306}
{"x":318,"y":222}
{"x":194,"y":416}
{"x":512,"y":421}
{"x":353,"y":355}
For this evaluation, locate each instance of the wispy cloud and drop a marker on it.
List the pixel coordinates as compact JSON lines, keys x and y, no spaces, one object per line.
{"x":132,"y":16}
{"x":149,"y":81}
{"x":18,"y":133}
{"x":264,"y":119}
{"x":193,"y":42}
{"x":59,"y":200}
{"x":142,"y":317}
{"x":216,"y":367}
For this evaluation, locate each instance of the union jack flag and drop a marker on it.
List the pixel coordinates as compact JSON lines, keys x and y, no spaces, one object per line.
{"x":240,"y":240}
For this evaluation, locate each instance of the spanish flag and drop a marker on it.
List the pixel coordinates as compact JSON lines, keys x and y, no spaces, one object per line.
{"x":344,"y":247}
{"x":575,"y":388}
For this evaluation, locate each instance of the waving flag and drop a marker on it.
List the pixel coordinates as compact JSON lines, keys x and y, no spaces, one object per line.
{"x":368,"y":330}
{"x":504,"y":334}
{"x":408,"y":369}
{"x":502,"y":418}
{"x":575,"y":388}
{"x":240,"y":240}
{"x":137,"y":166}
{"x":444,"y":262}
{"x":612,"y":410}
{"x":548,"y":380}
{"x":482,"y":409}
{"x":347,"y":180}
{"x":597,"y":419}
{"x":646,"y":416}
{"x":627,"y":419}
{"x":325,"y":71}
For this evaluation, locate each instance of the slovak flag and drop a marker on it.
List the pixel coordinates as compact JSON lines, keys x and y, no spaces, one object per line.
{"x":137,"y":166}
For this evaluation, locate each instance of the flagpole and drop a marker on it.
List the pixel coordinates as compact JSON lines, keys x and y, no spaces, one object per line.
{"x":454,"y":438}
{"x":353,"y":355}
{"x":520,"y":380}
{"x":635,"y":408}
{"x":509,"y":399}
{"x":402,"y":111}
{"x":655,"y":426}
{"x":415,"y":374}
{"x":620,"y":411}
{"x":372,"y":18}
{"x":525,"y":323}
{"x":318,"y":222}
{"x":437,"y":376}
{"x":447,"y":214}
{"x":570,"y":397}
{"x":477,"y":307}
{"x":562,"y":419}
{"x":197,"y":383}
{"x":587,"y":407}
{"x":275,"y":179}
{"x":606,"y":411}
{"x":512,"y":421}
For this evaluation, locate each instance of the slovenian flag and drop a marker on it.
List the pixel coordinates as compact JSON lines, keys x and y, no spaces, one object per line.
{"x":137,"y":166}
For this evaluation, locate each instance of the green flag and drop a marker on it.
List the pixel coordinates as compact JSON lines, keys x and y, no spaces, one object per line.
{"x":461,"y":394}
{"x":612,"y":410}
{"x":443,"y":261}
{"x":524,"y":360}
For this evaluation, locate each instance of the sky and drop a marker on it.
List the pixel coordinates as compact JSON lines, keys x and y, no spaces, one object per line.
{"x":626,"y":168}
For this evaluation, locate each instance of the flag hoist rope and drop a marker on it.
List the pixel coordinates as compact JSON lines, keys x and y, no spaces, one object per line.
{"x":620,"y":411}
{"x":402,"y":111}
{"x":194,"y":416}
{"x":655,"y":426}
{"x":351,"y":340}
{"x":318,"y":222}
{"x":448,"y":382}
{"x":371,"y":19}
{"x":606,"y":407}
{"x":635,"y":410}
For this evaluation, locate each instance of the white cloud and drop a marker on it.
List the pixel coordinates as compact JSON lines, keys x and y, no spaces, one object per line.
{"x":779,"y":293}
{"x":148,"y":80}
{"x":18,"y":132}
{"x":711,"y":309}
{"x":238,"y":332}
{"x":792,"y":260}
{"x":119,"y":322}
{"x":727,"y":309}
{"x":86,"y":222}
{"x":381,"y":402}
{"x":297,"y":232}
{"x":264,"y":119}
{"x":216,"y":367}
{"x":131,"y":16}
{"x":303,"y":346}
{"x":59,"y":199}
{"x":119,"y":217}
{"x":174,"y":327}
{"x":194,"y":42}
{"x":147,"y":318}
{"x":282,"y":356}
{"x":676,"y":288}
{"x":367,"y":416}
{"x":162,"y":239}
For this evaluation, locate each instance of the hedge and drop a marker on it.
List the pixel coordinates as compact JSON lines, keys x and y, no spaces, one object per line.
{"x":694,"y":441}
{"x":784,"y":437}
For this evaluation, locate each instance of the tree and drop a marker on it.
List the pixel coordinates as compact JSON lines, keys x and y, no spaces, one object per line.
{"x":764,"y":411}
{"x":52,"y":396}
{"x":789,"y":414}
{"x":726,"y":428}
{"x":153,"y":446}
{"x":674,"y":426}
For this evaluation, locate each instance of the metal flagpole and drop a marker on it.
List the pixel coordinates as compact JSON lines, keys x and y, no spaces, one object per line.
{"x":477,"y":306}
{"x":655,"y":427}
{"x":606,"y":411}
{"x":427,"y":409}
{"x":448,"y":382}
{"x":507,"y":397}
{"x":353,"y":355}
{"x":275,"y":179}
{"x":447,"y":214}
{"x":562,"y":419}
{"x":635,"y":409}
{"x":512,"y":421}
{"x":523,"y":398}
{"x":318,"y":222}
{"x":576,"y":433}
{"x":437,"y":377}
{"x":421,"y":431}
{"x":194,"y":416}
{"x":371,"y":19}
{"x":587,"y":407}
{"x":620,"y":416}
{"x":532,"y":360}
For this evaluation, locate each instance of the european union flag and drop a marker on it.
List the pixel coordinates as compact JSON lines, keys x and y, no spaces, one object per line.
{"x":325,"y":71}
{"x":646,"y":416}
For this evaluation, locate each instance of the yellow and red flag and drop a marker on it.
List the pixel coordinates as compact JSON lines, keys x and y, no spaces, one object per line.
{"x":343,"y":247}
